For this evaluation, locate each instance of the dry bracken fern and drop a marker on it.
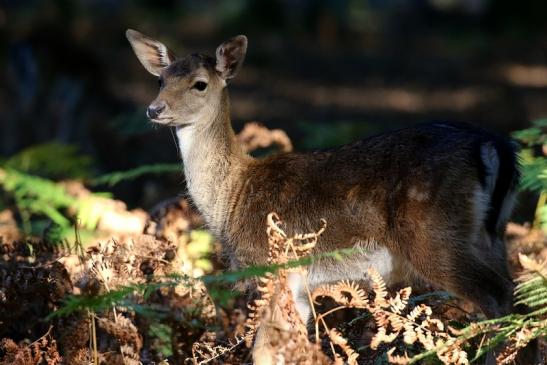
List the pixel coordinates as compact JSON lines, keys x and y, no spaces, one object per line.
{"x":279,"y":335}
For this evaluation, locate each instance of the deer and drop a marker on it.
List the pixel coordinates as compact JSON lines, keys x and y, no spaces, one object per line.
{"x":428,"y":202}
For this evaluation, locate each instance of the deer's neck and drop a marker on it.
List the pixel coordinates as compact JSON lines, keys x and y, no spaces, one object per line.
{"x":213,"y":161}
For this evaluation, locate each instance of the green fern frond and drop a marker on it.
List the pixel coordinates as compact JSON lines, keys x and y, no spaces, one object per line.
{"x":96,"y":303}
{"x":534,"y":135}
{"x":532,"y":287}
{"x":38,"y":196}
{"x":542,"y":216}
{"x":52,"y":160}
{"x":534,"y":166}
{"x":114,"y":178}
{"x":534,"y":174}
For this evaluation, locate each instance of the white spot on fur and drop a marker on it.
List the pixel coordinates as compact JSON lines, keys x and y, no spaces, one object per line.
{"x":414,"y":193}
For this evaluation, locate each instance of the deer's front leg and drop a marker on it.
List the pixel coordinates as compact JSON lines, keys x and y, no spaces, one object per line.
{"x":275,"y":320}
{"x":297,"y":281}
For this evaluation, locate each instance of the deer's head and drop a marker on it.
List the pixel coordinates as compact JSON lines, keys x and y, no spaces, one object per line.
{"x":190,"y":87}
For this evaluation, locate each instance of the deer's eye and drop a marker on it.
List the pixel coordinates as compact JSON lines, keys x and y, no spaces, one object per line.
{"x":200,"y":85}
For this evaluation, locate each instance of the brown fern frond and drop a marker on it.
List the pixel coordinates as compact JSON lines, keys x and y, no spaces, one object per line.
{"x":382,"y":336}
{"x":379,"y":287}
{"x":336,"y":338}
{"x":122,"y":329}
{"x":532,"y":266}
{"x":453,"y":355}
{"x":355,"y":296}
{"x":397,"y":359}
{"x":203,"y":353}
{"x":399,"y":303}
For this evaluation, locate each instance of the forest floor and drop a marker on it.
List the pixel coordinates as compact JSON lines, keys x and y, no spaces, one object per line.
{"x":162,"y":323}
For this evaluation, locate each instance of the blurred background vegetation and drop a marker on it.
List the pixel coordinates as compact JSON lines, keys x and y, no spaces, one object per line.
{"x":327,"y":72}
{"x":76,"y":147}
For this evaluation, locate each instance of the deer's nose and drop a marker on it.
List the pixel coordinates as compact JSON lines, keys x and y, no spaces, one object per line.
{"x":155,"y":109}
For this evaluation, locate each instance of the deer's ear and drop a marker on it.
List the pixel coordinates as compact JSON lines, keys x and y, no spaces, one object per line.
{"x":153,"y":55}
{"x":230,"y":56}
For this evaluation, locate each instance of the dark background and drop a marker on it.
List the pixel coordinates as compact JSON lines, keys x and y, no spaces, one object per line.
{"x":327,"y":72}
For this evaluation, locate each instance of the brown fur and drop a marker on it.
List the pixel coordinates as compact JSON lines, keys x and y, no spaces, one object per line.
{"x":417,"y":197}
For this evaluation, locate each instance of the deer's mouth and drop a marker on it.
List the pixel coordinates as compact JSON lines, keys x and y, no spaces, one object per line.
{"x":164,"y":121}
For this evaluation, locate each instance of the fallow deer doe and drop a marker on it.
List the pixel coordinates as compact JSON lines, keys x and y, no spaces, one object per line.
{"x":429,"y":201}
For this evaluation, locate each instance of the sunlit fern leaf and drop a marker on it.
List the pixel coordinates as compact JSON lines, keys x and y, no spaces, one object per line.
{"x":537,"y":134}
{"x":37,"y":195}
{"x":52,"y":160}
{"x":534,"y":174}
{"x":533,"y":161}
{"x":543,"y":217}
{"x":532,"y":287}
{"x":528,"y":136}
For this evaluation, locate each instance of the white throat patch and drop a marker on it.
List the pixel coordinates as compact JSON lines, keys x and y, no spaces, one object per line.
{"x":185,"y":136}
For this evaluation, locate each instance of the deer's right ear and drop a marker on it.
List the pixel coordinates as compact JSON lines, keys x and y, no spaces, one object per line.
{"x":153,"y":55}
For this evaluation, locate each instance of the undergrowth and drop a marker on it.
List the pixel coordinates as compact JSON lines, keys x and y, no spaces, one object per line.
{"x":533,"y":159}
{"x":158,"y":297}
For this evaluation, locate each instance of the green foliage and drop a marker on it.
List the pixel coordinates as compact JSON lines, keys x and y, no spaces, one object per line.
{"x":162,"y":334}
{"x":52,"y":160}
{"x":114,"y":178}
{"x":36,"y":195}
{"x":532,"y":290}
{"x":534,"y":165}
{"x":533,"y":160}
{"x":200,"y":248}
{"x":98,"y":303}
{"x":28,"y":179}
{"x":534,"y":172}
{"x":534,"y":135}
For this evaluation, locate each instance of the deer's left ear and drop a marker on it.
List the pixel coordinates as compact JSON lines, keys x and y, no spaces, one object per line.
{"x":230,"y":56}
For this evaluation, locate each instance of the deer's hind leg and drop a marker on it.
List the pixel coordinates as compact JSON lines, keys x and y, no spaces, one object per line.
{"x":478,"y":273}
{"x":468,"y":276}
